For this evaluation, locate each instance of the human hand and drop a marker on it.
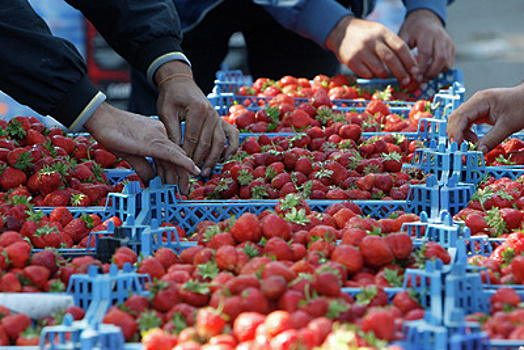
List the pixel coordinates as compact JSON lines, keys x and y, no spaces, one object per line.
{"x":134,"y":137}
{"x":369,"y":49}
{"x":205,"y":134}
{"x":501,"y":107}
{"x":424,"y":30}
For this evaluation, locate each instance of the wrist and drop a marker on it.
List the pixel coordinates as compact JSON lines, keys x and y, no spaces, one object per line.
{"x":170,"y":68}
{"x":335,"y":38}
{"x":98,"y":119}
{"x":424,"y":15}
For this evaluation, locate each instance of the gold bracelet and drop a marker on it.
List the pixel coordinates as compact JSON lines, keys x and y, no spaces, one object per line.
{"x":174,"y":76}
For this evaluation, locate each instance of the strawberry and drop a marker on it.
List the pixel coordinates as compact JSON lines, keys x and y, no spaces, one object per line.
{"x":14,"y":325}
{"x":380,"y":322}
{"x":275,"y":226}
{"x":37,"y":275}
{"x":18,"y":253}
{"x":400,"y":245}
{"x":246,"y":228}
{"x":57,"y":198}
{"x":105,"y":158}
{"x":327,"y":283}
{"x":405,"y":302}
{"x":210,"y":322}
{"x":63,"y":142}
{"x":244,"y":119}
{"x":96,"y":191}
{"x":392,"y":162}
{"x":9,"y":237}
{"x":299,"y":119}
{"x":48,"y":180}
{"x":165,"y":295}
{"x":517,"y":269}
{"x":61,"y":215}
{"x":46,"y":258}
{"x":10,"y":283}
{"x":12,"y":177}
{"x":349,"y":257}
{"x":122,"y":319}
{"x":376,"y":251}
{"x":166,"y":257}
{"x":150,"y":265}
{"x":277,"y":322}
{"x":77,"y":229}
{"x":83,"y":173}
{"x":136,"y":304}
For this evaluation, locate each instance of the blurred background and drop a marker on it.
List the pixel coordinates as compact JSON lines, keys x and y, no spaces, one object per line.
{"x":489,"y":36}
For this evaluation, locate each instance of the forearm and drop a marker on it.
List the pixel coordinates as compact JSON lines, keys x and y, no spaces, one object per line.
{"x":438,"y":7}
{"x":41,"y":71}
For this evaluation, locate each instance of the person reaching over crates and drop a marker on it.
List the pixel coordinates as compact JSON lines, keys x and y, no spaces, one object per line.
{"x":48,"y":74}
{"x":304,"y":38}
{"x":503,"y":108}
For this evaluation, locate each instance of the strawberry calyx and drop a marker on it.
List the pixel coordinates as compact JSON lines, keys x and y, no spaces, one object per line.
{"x":147,"y":320}
{"x":23,"y":161}
{"x":366,"y":295}
{"x":336,"y":308}
{"x":209,"y":270}
{"x":297,"y":216}
{"x":250,"y":250}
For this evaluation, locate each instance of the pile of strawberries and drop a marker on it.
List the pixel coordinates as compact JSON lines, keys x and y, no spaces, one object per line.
{"x":510,"y":152}
{"x":330,"y":163}
{"x":496,"y":209}
{"x":50,"y":168}
{"x":59,"y":229}
{"x":18,"y":329}
{"x":506,"y":317}
{"x":258,"y":265}
{"x":43,"y":271}
{"x":338,"y":87}
{"x":284,"y":114}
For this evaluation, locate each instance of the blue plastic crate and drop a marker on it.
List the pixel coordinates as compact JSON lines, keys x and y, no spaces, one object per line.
{"x":160,"y":202}
{"x":152,"y":239}
{"x":424,"y":334}
{"x":104,"y":290}
{"x":115,"y":176}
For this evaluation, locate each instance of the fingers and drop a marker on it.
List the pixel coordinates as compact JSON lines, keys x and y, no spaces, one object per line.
{"x":424,"y":53}
{"x":217,"y":147}
{"x":232,"y":135}
{"x":375,"y":63}
{"x":196,"y":119}
{"x":401,"y":62}
{"x":206,"y":141}
{"x":471,"y":111}
{"x":360,"y":69}
{"x":493,"y":137}
{"x":440,"y":60}
{"x":142,"y":167}
{"x":170,"y":118}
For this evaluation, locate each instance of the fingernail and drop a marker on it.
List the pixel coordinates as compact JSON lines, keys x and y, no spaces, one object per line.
{"x":415,"y":70}
{"x":197,"y":170}
{"x":419,"y":77}
{"x":483,"y":149}
{"x":206,"y":172}
{"x":405,"y":81}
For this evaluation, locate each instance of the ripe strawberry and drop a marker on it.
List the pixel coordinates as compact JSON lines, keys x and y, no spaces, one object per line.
{"x":376,"y":251}
{"x":153,"y":267}
{"x":380,"y":322}
{"x":46,"y":258}
{"x":66,"y":143}
{"x":517,"y":269}
{"x":351,"y":132}
{"x":299,"y":119}
{"x":9,"y":237}
{"x":275,"y":226}
{"x":435,"y":250}
{"x":57,"y":198}
{"x":166,"y":256}
{"x":37,"y":275}
{"x":349,"y":256}
{"x":157,"y":339}
{"x":165,"y":295}
{"x":122,"y":319}
{"x":277,"y":322}
{"x":15,"y":324}
{"x":105,"y":158}
{"x":245,"y":119}
{"x":95,"y":191}
{"x":246,"y":228}
{"x":327,"y":283}
{"x":77,"y":229}
{"x":83,"y":173}
{"x":48,"y":180}
{"x":400,"y":245}
{"x":245,"y":325}
{"x":392,"y":162}
{"x":210,"y":322}
{"x":61,"y":215}
{"x":18,"y":253}
{"x":405,"y":302}
{"x":9,"y":283}
{"x":12,"y":177}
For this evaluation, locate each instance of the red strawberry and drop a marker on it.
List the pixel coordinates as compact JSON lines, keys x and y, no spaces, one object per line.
{"x":14,"y":325}
{"x":405,"y":302}
{"x":9,"y":283}
{"x":165,"y":295}
{"x":123,"y":320}
{"x":517,"y":269}
{"x":380,"y":322}
{"x":12,"y":177}
{"x":157,"y":339}
{"x":46,"y":258}
{"x":376,"y":251}
{"x":57,"y":198}
{"x":210,"y":322}
{"x":105,"y":158}
{"x":277,"y":322}
{"x":38,"y":275}
{"x":83,"y":173}
{"x":61,"y":215}
{"x":349,"y":256}
{"x":48,"y":180}
{"x":152,"y":266}
{"x":66,"y":143}
{"x":166,"y":257}
{"x":77,"y":229}
{"x":245,"y":119}
{"x":245,"y":325}
{"x":275,"y":226}
{"x":18,"y":253}
{"x":400,"y":245}
{"x":392,"y":162}
{"x":246,"y":228}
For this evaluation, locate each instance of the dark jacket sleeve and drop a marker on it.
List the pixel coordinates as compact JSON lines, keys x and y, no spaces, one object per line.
{"x":43,"y":72}
{"x":140,"y":31}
